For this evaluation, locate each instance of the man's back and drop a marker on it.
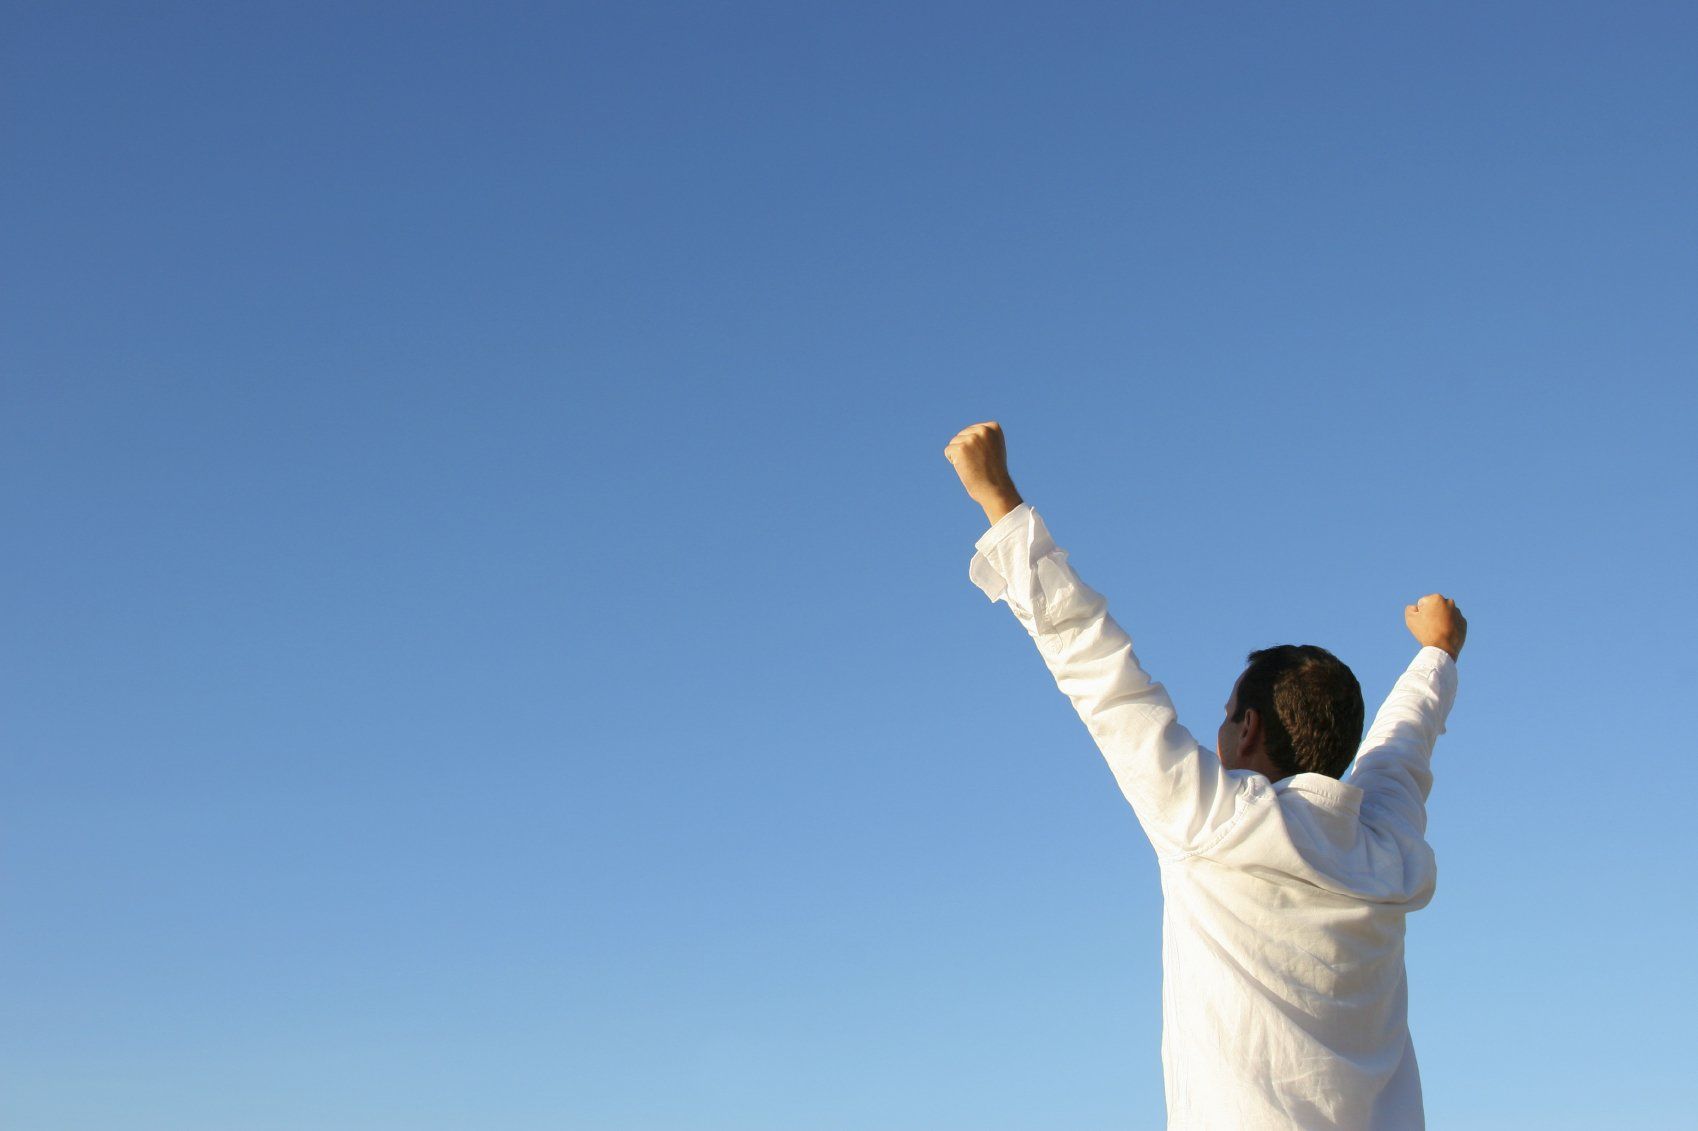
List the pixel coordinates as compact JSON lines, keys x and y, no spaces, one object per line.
{"x":1284,"y":994}
{"x":1284,"y":943}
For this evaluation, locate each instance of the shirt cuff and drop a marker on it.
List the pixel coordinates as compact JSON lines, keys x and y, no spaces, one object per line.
{"x":1439,"y":664}
{"x":1003,"y":527}
{"x":988,"y":571}
{"x":1431,"y":658}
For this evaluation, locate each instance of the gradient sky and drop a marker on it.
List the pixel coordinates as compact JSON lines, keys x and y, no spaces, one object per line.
{"x":487,"y":641}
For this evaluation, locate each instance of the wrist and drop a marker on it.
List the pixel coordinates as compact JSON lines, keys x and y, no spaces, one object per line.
{"x":1452,"y":647}
{"x":998,"y":505}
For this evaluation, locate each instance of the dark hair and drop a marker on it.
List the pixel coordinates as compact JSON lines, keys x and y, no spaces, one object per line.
{"x":1310,"y":706}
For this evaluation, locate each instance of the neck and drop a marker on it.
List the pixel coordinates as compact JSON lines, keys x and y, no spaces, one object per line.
{"x":1262,"y":764}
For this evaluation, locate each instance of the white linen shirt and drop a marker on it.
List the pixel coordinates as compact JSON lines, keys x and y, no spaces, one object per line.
{"x":1284,"y":998}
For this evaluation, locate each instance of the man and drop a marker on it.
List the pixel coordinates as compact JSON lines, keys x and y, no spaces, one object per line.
{"x":1284,"y":884}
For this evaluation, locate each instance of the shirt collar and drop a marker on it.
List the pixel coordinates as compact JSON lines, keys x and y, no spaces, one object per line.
{"x":1330,"y":790}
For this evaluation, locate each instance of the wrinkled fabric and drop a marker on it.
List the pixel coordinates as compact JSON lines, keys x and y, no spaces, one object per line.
{"x":1284,"y":998}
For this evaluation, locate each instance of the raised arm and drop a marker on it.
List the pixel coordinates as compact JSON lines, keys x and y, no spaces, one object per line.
{"x":1179,"y":791}
{"x":1394,"y":766}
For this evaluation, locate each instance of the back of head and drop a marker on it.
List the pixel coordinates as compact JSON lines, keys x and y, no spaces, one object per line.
{"x":1310,"y":706}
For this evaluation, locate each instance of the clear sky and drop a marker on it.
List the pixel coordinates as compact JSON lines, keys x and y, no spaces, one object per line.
{"x":487,"y":638}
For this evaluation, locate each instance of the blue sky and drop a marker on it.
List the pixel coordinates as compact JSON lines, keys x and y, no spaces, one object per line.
{"x":487,"y":635}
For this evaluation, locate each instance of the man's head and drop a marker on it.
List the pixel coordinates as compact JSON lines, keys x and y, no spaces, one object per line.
{"x":1296,"y":709}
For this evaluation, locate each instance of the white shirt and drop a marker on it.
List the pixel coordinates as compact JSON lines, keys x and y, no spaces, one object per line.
{"x":1284,"y":999}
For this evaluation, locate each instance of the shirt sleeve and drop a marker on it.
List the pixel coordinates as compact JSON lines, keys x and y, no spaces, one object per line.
{"x":1180,"y":793}
{"x":1394,"y":767}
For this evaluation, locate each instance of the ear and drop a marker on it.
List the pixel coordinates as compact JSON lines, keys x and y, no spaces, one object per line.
{"x":1250,"y":736}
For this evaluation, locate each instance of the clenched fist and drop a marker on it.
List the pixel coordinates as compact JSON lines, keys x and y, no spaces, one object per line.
{"x":1436,"y":622}
{"x":980,"y":458}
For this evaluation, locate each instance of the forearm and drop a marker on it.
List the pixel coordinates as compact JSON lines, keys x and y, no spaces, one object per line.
{"x":1394,"y":765}
{"x":1086,"y":650}
{"x":997,"y":505}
